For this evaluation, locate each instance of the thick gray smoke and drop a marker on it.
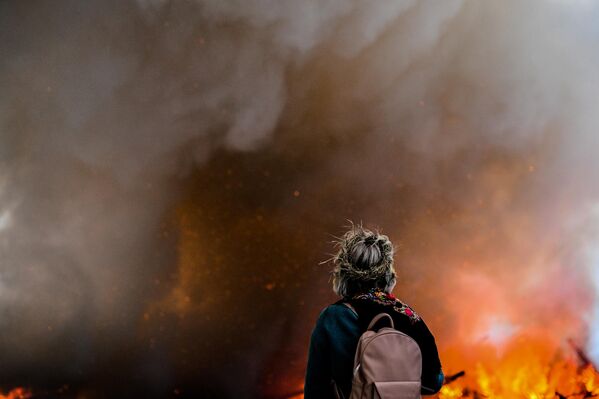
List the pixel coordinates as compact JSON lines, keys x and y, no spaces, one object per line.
{"x":482,"y":112}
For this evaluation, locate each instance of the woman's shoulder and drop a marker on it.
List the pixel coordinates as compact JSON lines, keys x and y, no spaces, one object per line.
{"x":336,"y":312}
{"x":338,"y":309}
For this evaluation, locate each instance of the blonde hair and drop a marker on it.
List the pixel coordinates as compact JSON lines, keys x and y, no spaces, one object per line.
{"x":364,"y":260}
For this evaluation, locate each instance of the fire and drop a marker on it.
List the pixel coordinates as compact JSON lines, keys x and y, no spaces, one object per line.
{"x":17,"y":393}
{"x":526,"y":371}
{"x":561,"y":380}
{"x":517,"y":348}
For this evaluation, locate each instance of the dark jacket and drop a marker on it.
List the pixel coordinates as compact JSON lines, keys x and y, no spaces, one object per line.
{"x":335,"y":338}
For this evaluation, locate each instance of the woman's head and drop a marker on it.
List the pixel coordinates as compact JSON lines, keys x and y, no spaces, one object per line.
{"x":364,"y":260}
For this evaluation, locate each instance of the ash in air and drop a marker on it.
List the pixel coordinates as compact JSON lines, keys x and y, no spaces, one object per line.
{"x":170,"y":173}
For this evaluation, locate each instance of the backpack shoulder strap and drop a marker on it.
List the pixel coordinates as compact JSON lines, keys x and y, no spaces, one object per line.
{"x":378,"y":317}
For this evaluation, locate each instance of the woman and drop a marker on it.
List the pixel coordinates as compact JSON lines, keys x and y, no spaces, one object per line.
{"x":364,"y":277}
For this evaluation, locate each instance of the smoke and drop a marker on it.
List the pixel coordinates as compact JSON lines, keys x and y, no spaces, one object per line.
{"x":154,"y":155}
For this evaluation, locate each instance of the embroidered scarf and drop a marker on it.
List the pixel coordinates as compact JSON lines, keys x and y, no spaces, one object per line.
{"x":379,"y":296}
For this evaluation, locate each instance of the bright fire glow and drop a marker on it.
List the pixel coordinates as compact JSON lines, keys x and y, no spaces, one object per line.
{"x":16,"y":393}
{"x":529,"y":368}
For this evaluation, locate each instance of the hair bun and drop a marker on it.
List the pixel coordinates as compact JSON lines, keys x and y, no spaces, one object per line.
{"x":370,"y":240}
{"x":364,"y":254}
{"x":364,"y":259}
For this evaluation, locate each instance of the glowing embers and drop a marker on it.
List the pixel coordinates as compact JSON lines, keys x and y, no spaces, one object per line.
{"x":16,"y":393}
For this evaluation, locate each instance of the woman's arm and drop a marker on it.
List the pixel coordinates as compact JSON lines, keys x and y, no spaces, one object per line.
{"x":318,"y":371}
{"x":432,"y":373}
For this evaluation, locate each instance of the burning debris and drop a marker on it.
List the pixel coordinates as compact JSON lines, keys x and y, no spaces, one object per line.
{"x":582,"y":356}
{"x":560,"y":378}
{"x":452,"y":377}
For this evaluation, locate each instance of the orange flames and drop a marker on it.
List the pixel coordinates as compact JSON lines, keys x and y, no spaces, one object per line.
{"x":533,"y":381}
{"x":17,"y":393}
{"x":529,"y":368}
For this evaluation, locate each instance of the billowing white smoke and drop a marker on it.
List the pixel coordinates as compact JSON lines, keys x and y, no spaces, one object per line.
{"x":106,"y":104}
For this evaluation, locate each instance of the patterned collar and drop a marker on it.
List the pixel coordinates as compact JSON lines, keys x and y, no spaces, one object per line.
{"x":377,"y":295}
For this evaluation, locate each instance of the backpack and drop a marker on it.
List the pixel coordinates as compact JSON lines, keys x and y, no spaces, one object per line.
{"x":387,"y":364}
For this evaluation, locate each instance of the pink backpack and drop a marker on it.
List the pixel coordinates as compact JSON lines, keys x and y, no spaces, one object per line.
{"x":387,"y":364}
